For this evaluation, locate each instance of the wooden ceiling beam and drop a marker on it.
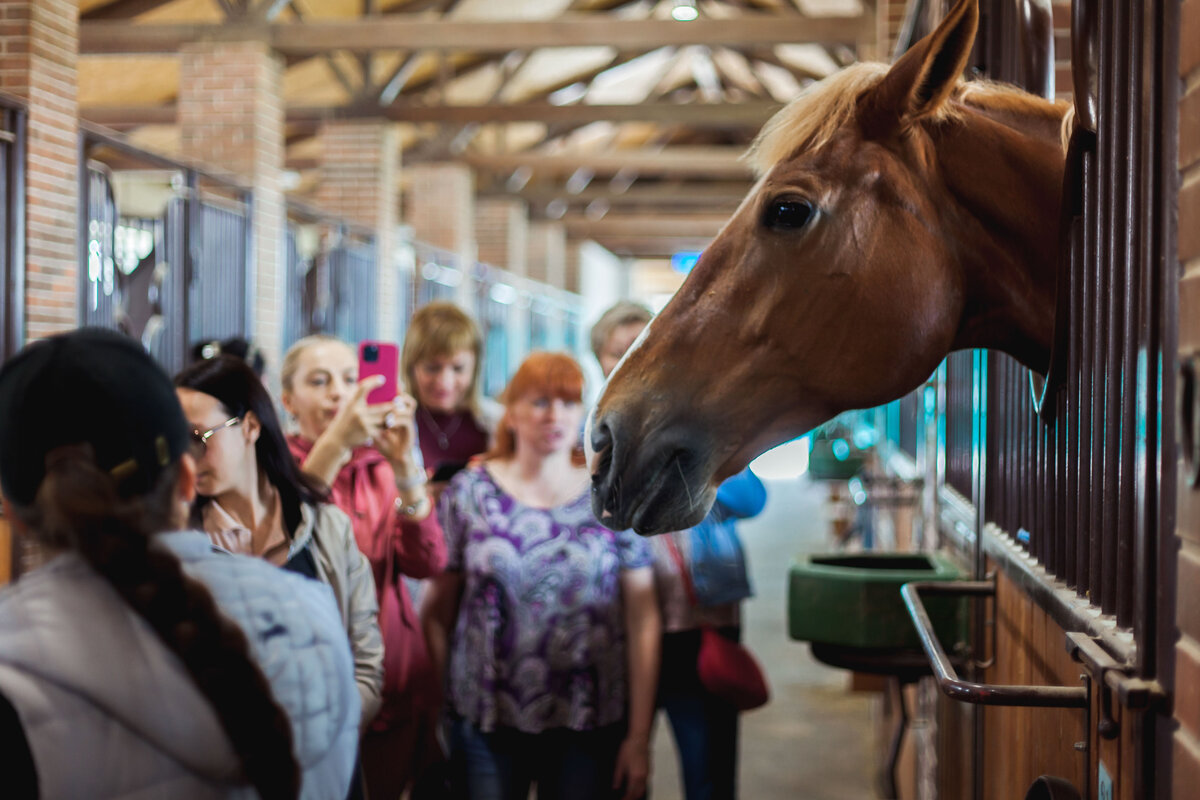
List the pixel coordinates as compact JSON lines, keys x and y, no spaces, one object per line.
{"x":709,"y":162}
{"x":121,"y":9}
{"x":393,"y":33}
{"x":692,"y":226}
{"x":692,"y":193}
{"x":734,"y":116}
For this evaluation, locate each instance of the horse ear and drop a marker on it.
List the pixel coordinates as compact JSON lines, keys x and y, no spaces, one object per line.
{"x":921,"y":80}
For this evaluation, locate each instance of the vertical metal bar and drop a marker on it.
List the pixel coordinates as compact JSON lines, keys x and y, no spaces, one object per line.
{"x":978,"y":474}
{"x":1130,"y":102}
{"x":1095,"y":371}
{"x":1069,"y":419}
{"x":1154,"y":619}
{"x":15,"y":279}
{"x":248,"y":264}
{"x":1112,"y":232}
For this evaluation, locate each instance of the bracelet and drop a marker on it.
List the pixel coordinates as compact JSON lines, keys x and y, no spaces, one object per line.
{"x":407,"y":484}
{"x":413,"y":509}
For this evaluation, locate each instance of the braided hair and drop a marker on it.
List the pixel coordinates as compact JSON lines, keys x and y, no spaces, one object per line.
{"x":79,"y":506}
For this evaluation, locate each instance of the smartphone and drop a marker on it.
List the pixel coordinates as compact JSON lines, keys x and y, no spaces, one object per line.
{"x":447,"y":470}
{"x":379,"y":358}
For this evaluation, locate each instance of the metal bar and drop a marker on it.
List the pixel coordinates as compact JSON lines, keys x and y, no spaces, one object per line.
{"x":14,"y":285}
{"x":92,"y":135}
{"x":1131,"y":266}
{"x":1065,"y":607}
{"x":1112,"y":92}
{"x":967,"y":691}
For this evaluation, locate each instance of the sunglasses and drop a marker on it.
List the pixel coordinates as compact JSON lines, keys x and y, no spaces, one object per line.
{"x":200,"y":438}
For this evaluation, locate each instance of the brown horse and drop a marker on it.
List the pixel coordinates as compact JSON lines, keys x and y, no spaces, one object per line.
{"x":901,"y":214}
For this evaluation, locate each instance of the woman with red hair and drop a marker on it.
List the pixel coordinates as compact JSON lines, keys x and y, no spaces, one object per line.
{"x":545,"y":622}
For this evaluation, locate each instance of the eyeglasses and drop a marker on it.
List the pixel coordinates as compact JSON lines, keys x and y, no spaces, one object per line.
{"x":200,"y":438}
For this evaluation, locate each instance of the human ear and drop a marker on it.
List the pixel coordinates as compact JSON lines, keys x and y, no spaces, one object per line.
{"x":251,"y":427}
{"x":185,"y":488}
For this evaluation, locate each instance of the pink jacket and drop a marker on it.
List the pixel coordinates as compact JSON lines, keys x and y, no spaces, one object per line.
{"x":365,"y":489}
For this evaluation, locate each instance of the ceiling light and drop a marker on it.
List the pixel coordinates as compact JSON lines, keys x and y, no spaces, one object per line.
{"x":685,"y":10}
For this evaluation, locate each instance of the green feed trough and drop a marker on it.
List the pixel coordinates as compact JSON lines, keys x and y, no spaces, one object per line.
{"x":853,"y":600}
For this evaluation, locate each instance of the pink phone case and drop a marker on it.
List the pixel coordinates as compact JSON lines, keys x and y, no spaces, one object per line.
{"x":379,"y":358}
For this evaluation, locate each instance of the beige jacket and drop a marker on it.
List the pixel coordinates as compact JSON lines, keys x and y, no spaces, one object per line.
{"x":343,"y":566}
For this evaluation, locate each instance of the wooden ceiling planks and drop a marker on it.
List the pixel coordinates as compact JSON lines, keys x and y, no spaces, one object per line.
{"x":484,"y":80}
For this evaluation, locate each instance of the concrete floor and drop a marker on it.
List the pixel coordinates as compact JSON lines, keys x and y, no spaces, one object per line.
{"x":814,"y":740}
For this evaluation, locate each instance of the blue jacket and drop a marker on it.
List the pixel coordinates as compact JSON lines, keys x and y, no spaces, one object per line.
{"x":718,"y":563}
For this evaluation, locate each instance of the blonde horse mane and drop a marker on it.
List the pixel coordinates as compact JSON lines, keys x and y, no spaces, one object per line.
{"x":811,"y":120}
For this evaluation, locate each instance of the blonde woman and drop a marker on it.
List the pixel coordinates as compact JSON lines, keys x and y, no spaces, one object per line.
{"x":441,"y":362}
{"x":366,"y":454}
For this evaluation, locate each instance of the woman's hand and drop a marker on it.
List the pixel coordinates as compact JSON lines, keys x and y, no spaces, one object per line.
{"x":357,"y":423}
{"x":354,"y":424}
{"x":633,"y":767}
{"x":398,"y":432}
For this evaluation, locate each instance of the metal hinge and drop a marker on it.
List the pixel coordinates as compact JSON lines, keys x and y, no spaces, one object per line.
{"x":1111,"y":676}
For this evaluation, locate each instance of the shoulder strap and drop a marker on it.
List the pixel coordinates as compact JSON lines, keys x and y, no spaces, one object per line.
{"x":685,"y":574}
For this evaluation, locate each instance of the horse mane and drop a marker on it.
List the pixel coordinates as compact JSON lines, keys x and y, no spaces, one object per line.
{"x":811,"y":120}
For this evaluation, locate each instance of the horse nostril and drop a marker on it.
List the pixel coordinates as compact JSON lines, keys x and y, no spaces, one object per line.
{"x":601,"y":437}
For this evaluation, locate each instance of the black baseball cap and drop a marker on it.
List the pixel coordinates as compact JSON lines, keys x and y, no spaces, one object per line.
{"x":90,"y":386}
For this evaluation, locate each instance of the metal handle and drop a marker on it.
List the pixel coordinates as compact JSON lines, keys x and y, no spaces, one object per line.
{"x":966,"y":691}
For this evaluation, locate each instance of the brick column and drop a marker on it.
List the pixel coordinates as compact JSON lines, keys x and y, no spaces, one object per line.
{"x":231,"y":118}
{"x":39,"y":43}
{"x":548,"y":253}
{"x":359,"y":165}
{"x":502,"y":232}
{"x":440,"y":207}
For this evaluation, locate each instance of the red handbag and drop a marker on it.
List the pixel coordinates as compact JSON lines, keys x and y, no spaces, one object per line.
{"x":725,"y":667}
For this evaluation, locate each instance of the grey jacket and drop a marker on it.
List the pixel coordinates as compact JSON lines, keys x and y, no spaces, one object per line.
{"x":109,"y":712}
{"x":342,"y":566}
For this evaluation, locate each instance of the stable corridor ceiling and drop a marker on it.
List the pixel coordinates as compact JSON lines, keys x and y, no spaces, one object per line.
{"x":613,"y":117}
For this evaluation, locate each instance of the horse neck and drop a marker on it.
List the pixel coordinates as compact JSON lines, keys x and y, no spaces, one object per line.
{"x":1003,"y":170}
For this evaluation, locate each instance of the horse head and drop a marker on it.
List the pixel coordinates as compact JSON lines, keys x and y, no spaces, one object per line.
{"x":899,"y":214}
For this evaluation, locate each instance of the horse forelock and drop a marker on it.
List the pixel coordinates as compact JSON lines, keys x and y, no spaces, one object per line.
{"x":822,"y":108}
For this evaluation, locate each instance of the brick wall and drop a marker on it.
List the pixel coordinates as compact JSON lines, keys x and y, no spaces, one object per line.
{"x":502,"y":233}
{"x":231,"y":118}
{"x":1186,"y":766}
{"x":440,"y":208}
{"x":38,"y":62}
{"x":359,"y":165}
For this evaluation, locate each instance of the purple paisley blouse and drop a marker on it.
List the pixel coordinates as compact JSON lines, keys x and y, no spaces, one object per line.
{"x":539,"y":642}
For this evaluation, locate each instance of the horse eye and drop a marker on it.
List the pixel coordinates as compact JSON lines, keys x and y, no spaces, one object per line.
{"x":787,"y":215}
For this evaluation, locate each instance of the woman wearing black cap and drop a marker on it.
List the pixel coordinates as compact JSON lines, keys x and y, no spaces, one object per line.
{"x":139,"y":660}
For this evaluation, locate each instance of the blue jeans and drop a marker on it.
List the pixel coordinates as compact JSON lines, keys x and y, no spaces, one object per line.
{"x":705,"y":728}
{"x":564,"y":764}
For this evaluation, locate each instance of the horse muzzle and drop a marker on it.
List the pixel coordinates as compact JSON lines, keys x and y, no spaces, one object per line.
{"x":653,"y":483}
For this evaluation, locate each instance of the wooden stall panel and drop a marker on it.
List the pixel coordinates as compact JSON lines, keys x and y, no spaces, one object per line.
{"x":1021,"y":744}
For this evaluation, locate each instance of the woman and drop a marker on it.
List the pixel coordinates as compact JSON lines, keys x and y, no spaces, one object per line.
{"x":545,"y":621}
{"x":441,"y":361}
{"x":367,"y":456}
{"x":139,"y":661}
{"x":705,"y":726}
{"x":252,"y":499}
